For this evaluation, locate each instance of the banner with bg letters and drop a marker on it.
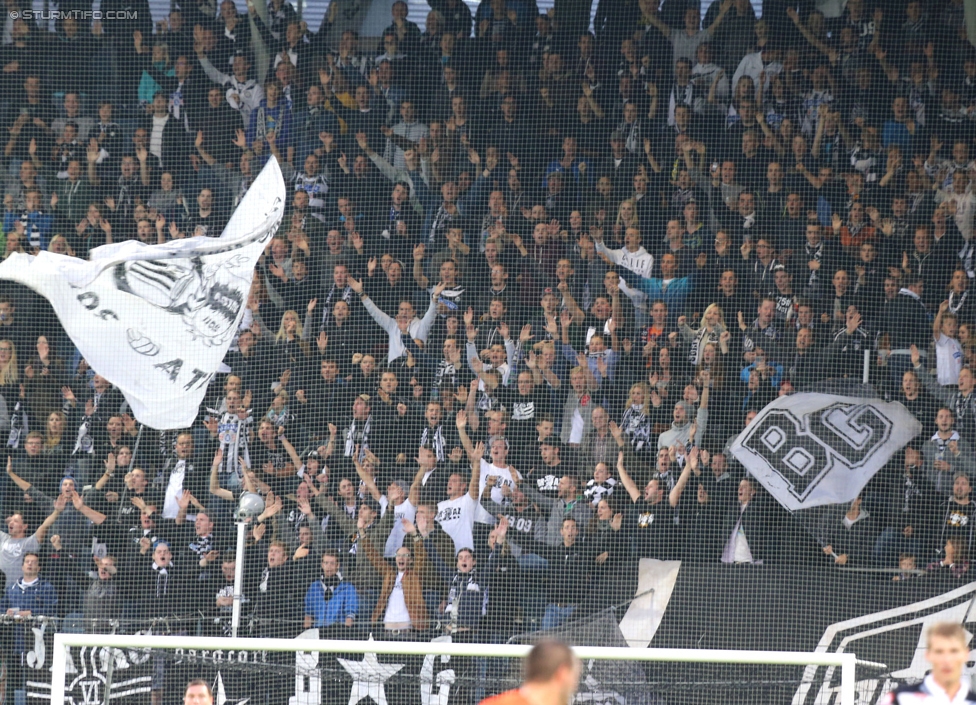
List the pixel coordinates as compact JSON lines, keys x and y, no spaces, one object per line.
{"x":810,"y":450}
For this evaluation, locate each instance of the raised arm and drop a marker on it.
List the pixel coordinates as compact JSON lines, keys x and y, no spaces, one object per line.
{"x":109,"y":472}
{"x":679,"y":487}
{"x":626,"y":479}
{"x":937,"y":323}
{"x":723,"y":11}
{"x":413,"y":496}
{"x":290,"y":449}
{"x":59,"y":506}
{"x":23,"y":484}
{"x":469,"y":447}
{"x":659,"y":25}
{"x":476,"y":471}
{"x":807,"y":34}
{"x":94,"y":516}
{"x":366,"y":478}
{"x":929,"y":382}
{"x":418,"y":267}
{"x":382,"y":567}
{"x":215,"y":488}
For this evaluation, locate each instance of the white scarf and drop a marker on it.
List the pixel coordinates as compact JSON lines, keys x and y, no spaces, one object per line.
{"x":350,"y":448}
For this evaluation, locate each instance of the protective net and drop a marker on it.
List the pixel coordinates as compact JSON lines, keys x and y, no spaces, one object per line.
{"x":404,"y":671}
{"x":653,"y":316}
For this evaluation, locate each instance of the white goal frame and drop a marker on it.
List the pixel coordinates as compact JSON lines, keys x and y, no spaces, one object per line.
{"x":846,"y":661}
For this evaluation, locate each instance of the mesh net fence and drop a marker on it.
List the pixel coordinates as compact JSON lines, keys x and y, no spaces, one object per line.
{"x":643,"y":317}
{"x":305,"y":677}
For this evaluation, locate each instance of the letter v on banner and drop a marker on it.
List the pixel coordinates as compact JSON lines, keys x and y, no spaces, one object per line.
{"x":156,"y":320}
{"x":810,"y":450}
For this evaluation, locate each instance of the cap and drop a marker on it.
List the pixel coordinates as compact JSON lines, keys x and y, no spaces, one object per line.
{"x":313,"y":454}
{"x":617,"y":135}
{"x":545,"y":292}
{"x":689,"y":409}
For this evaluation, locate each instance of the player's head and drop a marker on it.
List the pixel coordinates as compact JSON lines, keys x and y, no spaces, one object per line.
{"x":947,"y":650}
{"x":552,"y":664}
{"x":198,"y":693}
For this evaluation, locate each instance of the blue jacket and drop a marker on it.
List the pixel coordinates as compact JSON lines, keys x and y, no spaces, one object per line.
{"x":644,"y":291}
{"x":39,"y":598}
{"x":325,"y":613}
{"x":277,"y":118}
{"x":36,"y":220}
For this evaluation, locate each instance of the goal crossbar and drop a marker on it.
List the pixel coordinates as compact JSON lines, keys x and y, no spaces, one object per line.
{"x":846,"y":661}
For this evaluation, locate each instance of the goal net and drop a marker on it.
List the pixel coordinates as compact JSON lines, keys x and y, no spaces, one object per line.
{"x":311,"y":671}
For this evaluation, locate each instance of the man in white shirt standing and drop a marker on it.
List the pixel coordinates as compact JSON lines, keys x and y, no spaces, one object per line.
{"x":178,"y":474}
{"x":458,"y":513}
{"x":632,"y":255}
{"x":743,"y":542}
{"x":505,"y":475}
{"x":948,"y":351}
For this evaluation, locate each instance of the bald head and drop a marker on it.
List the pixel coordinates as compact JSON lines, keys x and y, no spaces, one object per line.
{"x":546,"y":660}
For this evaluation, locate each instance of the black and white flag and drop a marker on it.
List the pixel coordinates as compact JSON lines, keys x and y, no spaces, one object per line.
{"x":156,"y":320}
{"x":810,"y":450}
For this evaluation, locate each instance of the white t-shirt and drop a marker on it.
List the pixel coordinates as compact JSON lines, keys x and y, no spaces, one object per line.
{"x":396,"y":605}
{"x":948,"y":360}
{"x":457,"y":517}
{"x":11,"y":555}
{"x":174,"y":490}
{"x":504,"y":476}
{"x":405,"y":510}
{"x":576,"y":427}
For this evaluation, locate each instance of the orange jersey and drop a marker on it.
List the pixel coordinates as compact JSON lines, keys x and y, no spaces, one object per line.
{"x":512,"y":697}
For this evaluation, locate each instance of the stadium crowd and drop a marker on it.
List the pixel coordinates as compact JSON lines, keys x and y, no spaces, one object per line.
{"x":531,"y":281}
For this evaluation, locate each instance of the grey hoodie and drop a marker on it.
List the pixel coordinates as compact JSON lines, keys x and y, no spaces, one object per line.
{"x":681,"y":433}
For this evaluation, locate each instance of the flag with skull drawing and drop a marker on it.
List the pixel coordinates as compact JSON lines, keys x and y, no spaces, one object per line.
{"x":157,"y":320}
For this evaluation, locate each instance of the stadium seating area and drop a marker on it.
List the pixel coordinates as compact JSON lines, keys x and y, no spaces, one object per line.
{"x":534,"y":277}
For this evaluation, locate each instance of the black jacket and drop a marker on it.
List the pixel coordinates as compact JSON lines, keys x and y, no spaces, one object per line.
{"x":753,"y":524}
{"x":907,"y":322}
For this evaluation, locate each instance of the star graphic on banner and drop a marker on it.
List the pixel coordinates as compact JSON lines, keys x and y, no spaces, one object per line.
{"x":220,"y":695}
{"x":368,"y":676}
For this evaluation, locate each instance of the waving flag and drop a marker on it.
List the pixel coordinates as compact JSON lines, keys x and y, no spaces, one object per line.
{"x":156,"y":320}
{"x":809,"y":450}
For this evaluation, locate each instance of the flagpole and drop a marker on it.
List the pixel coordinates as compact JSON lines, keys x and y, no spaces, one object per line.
{"x":135,"y":448}
{"x":235,"y":620}
{"x":132,"y":462}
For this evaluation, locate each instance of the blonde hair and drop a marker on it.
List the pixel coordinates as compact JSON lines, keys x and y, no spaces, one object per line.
{"x":8,"y":372}
{"x":946,"y":630}
{"x":647,"y":395}
{"x":282,"y":335}
{"x":49,"y":440}
{"x":633,"y":206}
{"x":164,"y":48}
{"x":721,"y":314}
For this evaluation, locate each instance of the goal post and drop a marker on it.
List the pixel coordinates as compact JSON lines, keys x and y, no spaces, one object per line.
{"x":63,"y":641}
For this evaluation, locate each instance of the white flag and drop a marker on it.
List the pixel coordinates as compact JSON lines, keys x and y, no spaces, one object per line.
{"x":156,"y":320}
{"x":814,"y":449}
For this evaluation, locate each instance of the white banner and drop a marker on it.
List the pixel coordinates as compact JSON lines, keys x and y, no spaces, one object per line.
{"x":814,"y":449}
{"x":156,"y":320}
